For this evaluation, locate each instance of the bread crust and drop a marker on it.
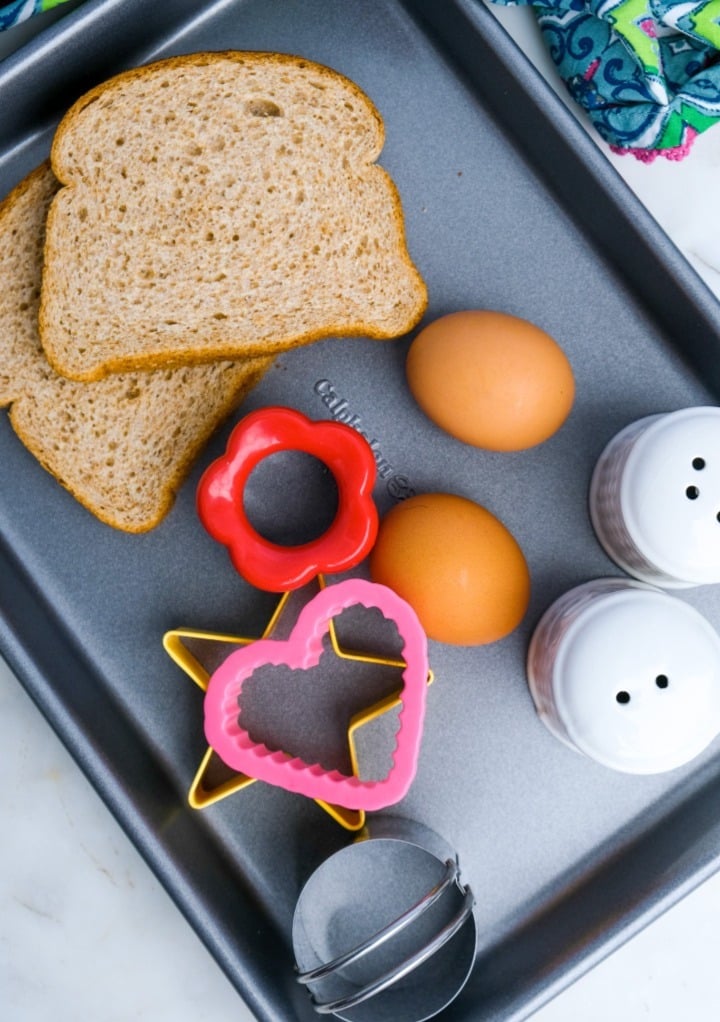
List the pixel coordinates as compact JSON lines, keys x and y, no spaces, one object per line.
{"x":235,"y":334}
{"x":207,"y":58}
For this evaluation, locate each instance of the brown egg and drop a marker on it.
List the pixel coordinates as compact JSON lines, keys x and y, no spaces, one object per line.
{"x":490,"y":379}
{"x":460,"y":569}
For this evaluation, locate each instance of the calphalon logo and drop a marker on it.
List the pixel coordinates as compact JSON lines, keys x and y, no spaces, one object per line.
{"x":397,"y":485}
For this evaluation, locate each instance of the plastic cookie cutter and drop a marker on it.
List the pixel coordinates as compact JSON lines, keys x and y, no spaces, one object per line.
{"x":409,"y":935}
{"x":220,"y":498}
{"x":302,"y":651}
{"x":194,"y":651}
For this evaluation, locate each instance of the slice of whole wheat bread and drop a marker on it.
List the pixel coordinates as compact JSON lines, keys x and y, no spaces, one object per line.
{"x":122,"y":446}
{"x":219,"y":205}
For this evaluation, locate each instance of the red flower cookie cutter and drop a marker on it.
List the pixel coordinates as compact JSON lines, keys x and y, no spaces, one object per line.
{"x":302,"y":651}
{"x":269,"y":565}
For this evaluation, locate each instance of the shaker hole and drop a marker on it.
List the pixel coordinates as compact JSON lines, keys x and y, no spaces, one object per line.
{"x":698,"y":464}
{"x":662,"y":681}
{"x":623,"y":698}
{"x":692,"y":493}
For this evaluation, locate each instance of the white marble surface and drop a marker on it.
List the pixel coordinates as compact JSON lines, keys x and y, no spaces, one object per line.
{"x":86,"y":932}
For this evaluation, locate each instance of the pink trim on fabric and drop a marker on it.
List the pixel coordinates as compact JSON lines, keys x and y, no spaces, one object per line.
{"x":675,"y":153}
{"x":590,"y":73}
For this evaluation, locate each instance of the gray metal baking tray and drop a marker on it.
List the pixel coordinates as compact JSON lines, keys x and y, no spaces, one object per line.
{"x":510,"y":206}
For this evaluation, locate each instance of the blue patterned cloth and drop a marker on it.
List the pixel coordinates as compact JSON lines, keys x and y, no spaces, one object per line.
{"x":646,"y":71}
{"x":20,"y":10}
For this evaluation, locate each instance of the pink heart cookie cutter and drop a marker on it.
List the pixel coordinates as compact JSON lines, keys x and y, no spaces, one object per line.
{"x":302,"y":650}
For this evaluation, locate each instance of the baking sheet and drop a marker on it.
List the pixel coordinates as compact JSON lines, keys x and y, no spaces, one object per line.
{"x":507,"y":206}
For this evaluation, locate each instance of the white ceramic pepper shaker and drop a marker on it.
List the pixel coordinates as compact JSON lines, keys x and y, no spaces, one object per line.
{"x":627,"y":674}
{"x":655,"y":498}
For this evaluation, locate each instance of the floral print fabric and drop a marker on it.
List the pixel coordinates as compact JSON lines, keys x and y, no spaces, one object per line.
{"x":646,"y":71}
{"x":21,"y":10}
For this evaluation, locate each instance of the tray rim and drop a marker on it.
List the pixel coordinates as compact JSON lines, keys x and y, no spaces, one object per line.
{"x":21,"y":601}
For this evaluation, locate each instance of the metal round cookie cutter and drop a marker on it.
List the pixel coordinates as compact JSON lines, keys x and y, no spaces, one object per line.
{"x":384,"y":930}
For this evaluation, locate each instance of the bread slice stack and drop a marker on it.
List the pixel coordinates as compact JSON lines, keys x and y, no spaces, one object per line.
{"x":123,"y":445}
{"x":199,"y":215}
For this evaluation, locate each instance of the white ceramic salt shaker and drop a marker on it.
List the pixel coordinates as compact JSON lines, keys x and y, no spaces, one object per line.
{"x":627,"y":674}
{"x":655,"y":498}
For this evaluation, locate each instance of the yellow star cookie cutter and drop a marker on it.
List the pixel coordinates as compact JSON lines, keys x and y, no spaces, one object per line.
{"x":202,"y":793}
